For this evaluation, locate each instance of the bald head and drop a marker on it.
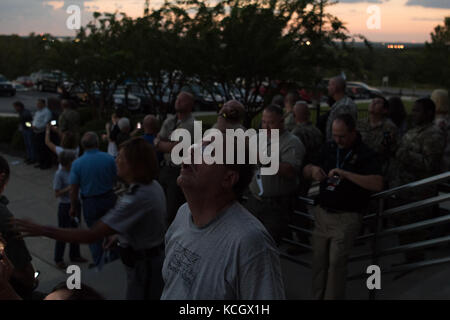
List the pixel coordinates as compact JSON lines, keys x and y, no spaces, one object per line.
{"x":234,"y":109}
{"x":336,"y":86}
{"x":151,"y":124}
{"x":185,"y":102}
{"x":289,"y":100}
{"x":89,"y":140}
{"x":301,"y":112}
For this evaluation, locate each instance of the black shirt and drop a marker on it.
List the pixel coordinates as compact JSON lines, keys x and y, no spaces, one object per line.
{"x":359,"y":159}
{"x":25,"y":116}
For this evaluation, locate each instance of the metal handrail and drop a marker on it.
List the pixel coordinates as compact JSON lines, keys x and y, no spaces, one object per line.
{"x":412,"y":185}
{"x":413,"y":205}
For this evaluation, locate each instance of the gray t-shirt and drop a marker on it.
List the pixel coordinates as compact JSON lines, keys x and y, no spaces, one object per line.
{"x":139,"y":217}
{"x":61,"y":181}
{"x":231,"y":258}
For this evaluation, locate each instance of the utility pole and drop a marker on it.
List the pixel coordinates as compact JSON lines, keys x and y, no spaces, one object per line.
{"x":147,"y":7}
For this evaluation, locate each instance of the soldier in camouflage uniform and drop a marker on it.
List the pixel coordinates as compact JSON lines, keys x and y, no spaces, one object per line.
{"x":69,"y":120}
{"x":343,"y":104}
{"x":378,"y":131}
{"x":307,"y":133}
{"x":169,"y":172}
{"x":418,"y":157}
{"x":289,"y":118}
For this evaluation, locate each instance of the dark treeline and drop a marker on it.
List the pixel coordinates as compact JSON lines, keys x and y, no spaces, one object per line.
{"x":234,"y":47}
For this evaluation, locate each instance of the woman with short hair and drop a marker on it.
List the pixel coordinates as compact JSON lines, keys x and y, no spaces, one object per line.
{"x":138,"y":219}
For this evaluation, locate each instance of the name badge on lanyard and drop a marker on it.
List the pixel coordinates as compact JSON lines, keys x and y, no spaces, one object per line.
{"x":338,"y":164}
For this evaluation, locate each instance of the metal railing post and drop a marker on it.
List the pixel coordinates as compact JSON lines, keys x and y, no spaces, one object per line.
{"x":378,"y":226}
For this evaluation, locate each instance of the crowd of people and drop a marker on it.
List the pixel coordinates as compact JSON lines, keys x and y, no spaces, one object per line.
{"x":214,"y":231}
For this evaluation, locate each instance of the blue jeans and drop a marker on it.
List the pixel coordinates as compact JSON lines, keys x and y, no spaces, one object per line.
{"x":29,"y":145}
{"x":65,"y":221}
{"x":93,"y":209}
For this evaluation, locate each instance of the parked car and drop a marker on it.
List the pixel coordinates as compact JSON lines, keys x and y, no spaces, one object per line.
{"x":6,"y":87}
{"x":25,"y":81}
{"x":122,"y":99}
{"x":47,"y":81}
{"x":72,"y":91}
{"x":19,"y":87}
{"x":146,"y":104}
{"x":360,"y":90}
{"x":356,"y":90}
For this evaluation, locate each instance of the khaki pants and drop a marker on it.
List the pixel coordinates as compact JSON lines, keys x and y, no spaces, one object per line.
{"x":333,"y":238}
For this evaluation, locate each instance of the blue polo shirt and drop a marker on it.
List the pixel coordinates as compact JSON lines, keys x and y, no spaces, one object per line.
{"x":95,"y":172}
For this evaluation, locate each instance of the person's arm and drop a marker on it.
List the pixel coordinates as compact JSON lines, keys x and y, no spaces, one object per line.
{"x":99,"y":231}
{"x":312,"y":172}
{"x":61,"y":192}
{"x":74,"y":190}
{"x":368,"y":182}
{"x":164,"y":146}
{"x":49,"y":144}
{"x":6,"y":270}
{"x":25,"y":276}
{"x":287,"y":170}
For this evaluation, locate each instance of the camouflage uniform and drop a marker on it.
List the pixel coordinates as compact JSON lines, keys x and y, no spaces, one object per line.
{"x":69,"y":120}
{"x":345,"y":105}
{"x":381,"y":138}
{"x":311,"y":137}
{"x":169,"y":171}
{"x":289,"y":121}
{"x":418,"y":157}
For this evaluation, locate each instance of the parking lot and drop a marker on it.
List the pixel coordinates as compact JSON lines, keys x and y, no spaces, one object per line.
{"x":28,"y":98}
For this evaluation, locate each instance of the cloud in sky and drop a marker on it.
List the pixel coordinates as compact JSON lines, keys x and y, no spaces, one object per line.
{"x":441,"y":4}
{"x":426,"y":19}
{"x":368,"y":1}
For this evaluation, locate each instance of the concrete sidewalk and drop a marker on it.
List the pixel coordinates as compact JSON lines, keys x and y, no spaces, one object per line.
{"x":31,"y":195}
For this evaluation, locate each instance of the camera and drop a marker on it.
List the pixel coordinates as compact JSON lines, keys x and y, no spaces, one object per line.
{"x":333,"y":182}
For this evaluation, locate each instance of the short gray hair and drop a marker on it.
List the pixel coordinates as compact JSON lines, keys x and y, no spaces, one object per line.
{"x":124,"y":123}
{"x":90,"y":140}
{"x":66,"y":157}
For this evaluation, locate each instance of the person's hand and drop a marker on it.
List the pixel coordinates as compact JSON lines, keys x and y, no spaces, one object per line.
{"x":27,"y":228}
{"x":73,"y":212}
{"x":3,"y":242}
{"x":2,"y":178}
{"x":110,"y":242}
{"x":6,"y":268}
{"x":156,"y":142}
{"x":337,"y":172}
{"x":318,"y":174}
{"x":104,"y":137}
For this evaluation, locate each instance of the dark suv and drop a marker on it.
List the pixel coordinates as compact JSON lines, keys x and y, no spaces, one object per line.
{"x":6,"y":87}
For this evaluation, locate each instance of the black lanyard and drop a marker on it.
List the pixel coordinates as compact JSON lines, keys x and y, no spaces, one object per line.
{"x":338,"y":164}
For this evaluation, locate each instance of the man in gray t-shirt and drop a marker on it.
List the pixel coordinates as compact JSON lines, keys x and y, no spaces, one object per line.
{"x":216,"y":249}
